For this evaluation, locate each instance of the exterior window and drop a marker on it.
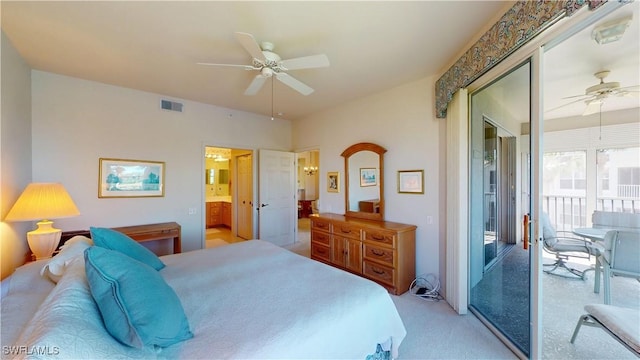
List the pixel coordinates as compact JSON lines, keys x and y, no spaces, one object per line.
{"x":564,"y":188}
{"x":565,"y":173}
{"x":618,"y":179}
{"x":629,"y":182}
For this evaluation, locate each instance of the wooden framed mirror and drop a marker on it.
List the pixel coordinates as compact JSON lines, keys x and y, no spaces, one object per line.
{"x":364,"y":181}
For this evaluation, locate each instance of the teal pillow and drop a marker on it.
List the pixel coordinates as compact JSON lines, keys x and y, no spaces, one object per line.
{"x":138,"y":307}
{"x":115,"y":240}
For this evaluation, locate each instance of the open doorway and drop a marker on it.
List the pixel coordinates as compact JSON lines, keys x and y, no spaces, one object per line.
{"x":228,"y":195}
{"x":308,"y":188}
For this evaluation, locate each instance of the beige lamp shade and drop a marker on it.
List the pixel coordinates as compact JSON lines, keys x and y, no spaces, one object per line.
{"x":42,"y":201}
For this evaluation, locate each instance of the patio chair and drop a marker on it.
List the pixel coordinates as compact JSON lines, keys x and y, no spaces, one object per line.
{"x":563,"y":245}
{"x":620,"y":257}
{"x":621,"y":323}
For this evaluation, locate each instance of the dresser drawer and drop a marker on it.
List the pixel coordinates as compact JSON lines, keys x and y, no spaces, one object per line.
{"x":320,"y":237}
{"x":320,"y":252}
{"x":379,"y":254}
{"x":348,"y":230}
{"x":321,"y":224}
{"x":380,"y":237}
{"x":379,"y":272}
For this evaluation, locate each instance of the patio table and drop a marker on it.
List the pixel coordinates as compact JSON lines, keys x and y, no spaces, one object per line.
{"x":593,"y":234}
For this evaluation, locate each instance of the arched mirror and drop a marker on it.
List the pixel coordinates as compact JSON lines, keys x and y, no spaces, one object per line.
{"x":364,"y":181}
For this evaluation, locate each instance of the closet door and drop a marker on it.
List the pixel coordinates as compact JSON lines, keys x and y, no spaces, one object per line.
{"x":244,"y":209}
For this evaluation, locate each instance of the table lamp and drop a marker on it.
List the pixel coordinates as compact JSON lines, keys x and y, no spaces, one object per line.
{"x":42,"y":201}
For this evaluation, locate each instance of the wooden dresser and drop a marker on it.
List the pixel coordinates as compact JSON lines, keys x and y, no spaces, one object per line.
{"x":381,"y":251}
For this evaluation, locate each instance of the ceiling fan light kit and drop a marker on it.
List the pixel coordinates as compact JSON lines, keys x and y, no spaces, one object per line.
{"x":269,"y":64}
{"x":595,"y":96}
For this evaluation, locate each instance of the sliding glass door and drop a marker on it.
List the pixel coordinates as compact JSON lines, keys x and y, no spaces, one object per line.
{"x":499,"y":272}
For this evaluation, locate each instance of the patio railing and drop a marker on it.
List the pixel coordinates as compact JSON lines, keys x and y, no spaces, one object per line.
{"x":569,"y":212}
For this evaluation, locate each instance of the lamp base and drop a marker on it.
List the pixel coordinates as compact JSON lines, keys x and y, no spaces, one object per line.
{"x":44,"y":240}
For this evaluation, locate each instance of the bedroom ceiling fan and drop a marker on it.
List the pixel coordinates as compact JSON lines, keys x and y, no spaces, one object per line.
{"x":595,"y":96}
{"x":269,"y":64}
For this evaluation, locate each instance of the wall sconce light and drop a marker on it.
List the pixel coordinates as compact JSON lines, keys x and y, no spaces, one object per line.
{"x":310,"y":170}
{"x":41,"y":201}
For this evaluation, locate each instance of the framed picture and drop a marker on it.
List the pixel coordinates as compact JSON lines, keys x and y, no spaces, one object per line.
{"x":333,"y":181}
{"x":130,"y":178}
{"x":368,"y":177}
{"x":410,"y":181}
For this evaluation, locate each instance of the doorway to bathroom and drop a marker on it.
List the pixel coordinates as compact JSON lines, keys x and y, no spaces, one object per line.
{"x":228,"y":195}
{"x":308,"y":194}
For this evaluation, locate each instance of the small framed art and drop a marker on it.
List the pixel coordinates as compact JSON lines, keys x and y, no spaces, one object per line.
{"x":368,"y":177}
{"x":333,"y":181}
{"x":410,"y":181}
{"x":119,"y":178}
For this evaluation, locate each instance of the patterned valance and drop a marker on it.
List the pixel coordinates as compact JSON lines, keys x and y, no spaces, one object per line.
{"x":521,"y":23}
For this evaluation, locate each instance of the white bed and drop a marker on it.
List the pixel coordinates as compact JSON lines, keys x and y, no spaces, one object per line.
{"x":245,"y":300}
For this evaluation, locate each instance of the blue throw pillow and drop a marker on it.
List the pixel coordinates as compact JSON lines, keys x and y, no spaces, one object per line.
{"x":138,"y":307}
{"x":115,"y":240}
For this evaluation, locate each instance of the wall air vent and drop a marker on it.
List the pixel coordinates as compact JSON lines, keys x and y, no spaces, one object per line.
{"x":171,"y":105}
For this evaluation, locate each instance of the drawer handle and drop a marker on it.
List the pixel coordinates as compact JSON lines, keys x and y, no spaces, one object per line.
{"x":321,"y":225}
{"x":377,"y":252}
{"x":377,"y":237}
{"x":377,"y":271}
{"x":347,"y":231}
{"x":320,"y":251}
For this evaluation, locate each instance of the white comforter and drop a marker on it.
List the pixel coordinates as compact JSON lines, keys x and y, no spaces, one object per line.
{"x":246,"y":300}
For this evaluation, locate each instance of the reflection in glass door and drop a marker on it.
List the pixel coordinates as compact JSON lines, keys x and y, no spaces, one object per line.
{"x":499,"y":272}
{"x":490,"y":184}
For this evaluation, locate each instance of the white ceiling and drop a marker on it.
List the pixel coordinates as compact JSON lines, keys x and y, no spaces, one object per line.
{"x":569,"y":67}
{"x":372,"y":46}
{"x":154,"y":46}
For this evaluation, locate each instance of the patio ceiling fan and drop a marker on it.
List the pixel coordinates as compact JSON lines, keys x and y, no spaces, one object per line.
{"x":269,"y":64}
{"x":596,"y":95}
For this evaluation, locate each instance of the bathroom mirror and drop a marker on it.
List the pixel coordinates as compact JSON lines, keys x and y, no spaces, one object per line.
{"x":364,"y":181}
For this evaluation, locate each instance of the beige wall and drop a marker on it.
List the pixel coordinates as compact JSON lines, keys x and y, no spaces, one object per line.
{"x":15,"y":153}
{"x":76,"y":122}
{"x":403,"y":121}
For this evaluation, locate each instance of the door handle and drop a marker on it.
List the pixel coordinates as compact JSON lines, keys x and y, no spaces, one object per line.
{"x":263,"y":205}
{"x":525,"y":225}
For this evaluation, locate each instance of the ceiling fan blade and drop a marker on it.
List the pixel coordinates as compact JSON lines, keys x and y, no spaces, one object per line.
{"x":305,"y":62}
{"x":294,"y":83}
{"x":246,"y":67}
{"x":592,"y":107}
{"x":584,"y":96}
{"x":251,"y":45}
{"x":255,"y":85}
{"x":563,"y":105}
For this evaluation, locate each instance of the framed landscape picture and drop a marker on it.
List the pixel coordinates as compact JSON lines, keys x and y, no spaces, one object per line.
{"x":410,"y":181}
{"x":368,"y":177}
{"x":119,"y":178}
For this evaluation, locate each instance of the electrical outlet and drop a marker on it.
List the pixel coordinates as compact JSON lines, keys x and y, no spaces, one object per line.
{"x":192,"y":211}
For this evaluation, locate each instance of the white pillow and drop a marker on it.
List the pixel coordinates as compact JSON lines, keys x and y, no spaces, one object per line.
{"x":68,"y":325}
{"x":69,"y":252}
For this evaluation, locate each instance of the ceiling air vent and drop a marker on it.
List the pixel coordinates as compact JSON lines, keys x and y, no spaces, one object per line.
{"x":171,"y":105}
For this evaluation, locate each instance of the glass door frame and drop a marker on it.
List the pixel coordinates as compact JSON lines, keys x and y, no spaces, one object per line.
{"x":534,"y":49}
{"x":533,"y":61}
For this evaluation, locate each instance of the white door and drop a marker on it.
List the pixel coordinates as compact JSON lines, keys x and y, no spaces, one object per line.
{"x":244,"y":218}
{"x":277,"y":205}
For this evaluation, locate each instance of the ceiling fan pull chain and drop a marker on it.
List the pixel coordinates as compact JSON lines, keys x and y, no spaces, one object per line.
{"x":272,"y":98}
{"x":600,"y":136}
